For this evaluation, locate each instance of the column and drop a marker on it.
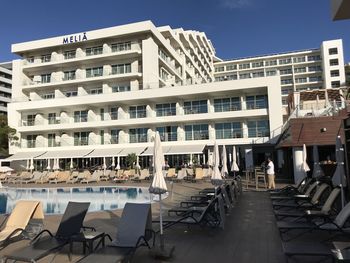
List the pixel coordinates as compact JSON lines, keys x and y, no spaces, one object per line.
{"x":248,"y":153}
{"x":299,"y":174}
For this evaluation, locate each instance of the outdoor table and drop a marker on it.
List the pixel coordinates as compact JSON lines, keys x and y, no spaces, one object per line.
{"x":87,"y":238}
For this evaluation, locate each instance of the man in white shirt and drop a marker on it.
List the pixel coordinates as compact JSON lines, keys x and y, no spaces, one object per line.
{"x":270,"y":170}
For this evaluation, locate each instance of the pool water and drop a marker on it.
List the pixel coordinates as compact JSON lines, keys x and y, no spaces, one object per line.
{"x":55,"y":200}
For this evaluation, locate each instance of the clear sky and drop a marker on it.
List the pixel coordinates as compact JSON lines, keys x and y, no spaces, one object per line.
{"x":237,"y":28}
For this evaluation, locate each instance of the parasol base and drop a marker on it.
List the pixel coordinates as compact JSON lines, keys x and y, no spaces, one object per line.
{"x":162,"y":252}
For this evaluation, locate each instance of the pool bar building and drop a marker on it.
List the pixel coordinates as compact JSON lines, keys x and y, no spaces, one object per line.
{"x":103,"y":93}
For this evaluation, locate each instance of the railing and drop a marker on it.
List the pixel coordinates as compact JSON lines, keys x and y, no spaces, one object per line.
{"x":221,"y":107}
{"x":196,"y":109}
{"x":168,"y":137}
{"x":165,"y":112}
{"x":138,"y":138}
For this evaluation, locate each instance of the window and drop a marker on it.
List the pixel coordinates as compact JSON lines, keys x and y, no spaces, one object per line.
{"x":102,"y":114}
{"x":286,"y":81}
{"x":227,"y":104}
{"x":69,"y":75}
{"x":219,"y":69}
{"x":258,"y":128}
{"x":258,"y":74}
{"x":95,"y":91}
{"x":138,"y":135}
{"x":115,"y":136}
{"x":71,"y":93}
{"x":335,"y":84}
{"x":102,"y":136}
{"x":333,"y":51}
{"x":315,"y":68}
{"x":167,"y":133}
{"x":285,"y":61}
{"x":231,"y":67}
{"x":94,"y":72}
{"x":271,"y":73}
{"x":256,"y":102}
{"x":231,"y":77}
{"x":30,"y":60}
{"x":69,"y":54}
{"x":196,"y":132}
{"x":120,"y":88}
{"x":46,"y":78}
{"x":117,"y":47}
{"x":244,"y":76}
{"x":31,"y":120}
{"x":90,"y":51}
{"x":31,"y":141}
{"x":300,"y":70}
{"x":315,"y":78}
{"x":81,"y":116}
{"x":300,"y":80}
{"x":52,"y":118}
{"x":334,"y":73}
{"x":137,"y":112}
{"x":271,"y":63}
{"x":196,"y":107}
{"x":46,"y":58}
{"x":244,"y":66}
{"x":48,"y":96}
{"x":51,"y":140}
{"x":333,"y":62}
{"x":299,"y":59}
{"x":285,"y":71}
{"x":166,"y":109}
{"x":314,"y":58}
{"x":286,"y":91}
{"x":257,"y":64}
{"x":114,"y":113}
{"x":81,"y":138}
{"x":121,"y":68}
{"x":228,"y":130}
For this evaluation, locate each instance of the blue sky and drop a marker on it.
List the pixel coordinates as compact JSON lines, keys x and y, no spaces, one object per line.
{"x":237,"y":28}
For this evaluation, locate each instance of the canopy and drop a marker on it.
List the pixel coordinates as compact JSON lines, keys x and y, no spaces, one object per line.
{"x":177,"y":149}
{"x":61,"y":154}
{"x":24,"y":156}
{"x":136,"y":150}
{"x":105,"y":152}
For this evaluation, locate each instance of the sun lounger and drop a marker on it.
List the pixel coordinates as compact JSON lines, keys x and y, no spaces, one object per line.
{"x":122,"y":176}
{"x":144,"y":174}
{"x":73,"y":178}
{"x":71,"y":223}
{"x":134,"y":230}
{"x":29,"y":179}
{"x":291,"y":190}
{"x":46,"y":179}
{"x":105,"y":175}
{"x":22,"y":176}
{"x":95,"y":177}
{"x":18,"y":220}
{"x":61,"y":177}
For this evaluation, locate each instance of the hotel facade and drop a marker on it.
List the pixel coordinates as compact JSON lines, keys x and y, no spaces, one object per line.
{"x":104,"y":93}
{"x":5,"y":86}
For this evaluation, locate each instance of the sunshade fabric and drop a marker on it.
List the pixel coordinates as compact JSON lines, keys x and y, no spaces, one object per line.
{"x":65,"y":154}
{"x":105,"y":152}
{"x":24,"y":156}
{"x":177,"y":149}
{"x":136,"y":150}
{"x":216,"y":178}
{"x":158,"y":185}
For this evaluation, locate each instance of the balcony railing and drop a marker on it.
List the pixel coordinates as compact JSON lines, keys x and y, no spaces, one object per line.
{"x":168,"y":137}
{"x":139,"y":138}
{"x":196,"y":109}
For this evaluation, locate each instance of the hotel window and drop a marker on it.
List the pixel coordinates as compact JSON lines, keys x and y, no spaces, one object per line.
{"x":102,"y":137}
{"x":81,"y":116}
{"x":115,"y":136}
{"x":300,"y":70}
{"x":285,"y":61}
{"x":300,"y":80}
{"x":69,"y":54}
{"x":334,"y":73}
{"x":30,"y":60}
{"x":121,"y":68}
{"x":244,"y":66}
{"x":314,"y":58}
{"x":285,"y":71}
{"x":102,"y":114}
{"x":46,"y":58}
{"x":231,"y":67}
{"x":231,"y":77}
{"x":137,"y":112}
{"x":222,"y":78}
{"x":256,"y":102}
{"x":167,"y":133}
{"x":117,"y":47}
{"x":45,"y":78}
{"x":96,"y":91}
{"x":271,"y":63}
{"x":71,"y":93}
{"x":31,"y":139}
{"x":244,"y":76}
{"x":69,"y":75}
{"x":258,"y":74}
{"x":284,"y":101}
{"x":52,"y":118}
{"x":271,"y":73}
{"x":333,"y":51}
{"x":114,"y":113}
{"x":286,"y":81}
{"x":286,"y":91}
{"x":196,"y":107}
{"x":138,"y":135}
{"x":299,"y":59}
{"x":120,"y":88}
{"x":258,"y":128}
{"x":81,"y":138}
{"x":48,"y":96}
{"x":196,"y":132}
{"x":335,"y":84}
{"x":227,"y":104}
{"x":90,"y":51}
{"x":333,"y":62}
{"x":51,"y":140}
{"x":219,"y":69}
{"x":257,"y":64}
{"x":315,"y":78}
{"x":228,"y":130}
{"x":31,"y":120}
{"x":94,"y":72}
{"x":315,"y":68}
{"x":166,"y":109}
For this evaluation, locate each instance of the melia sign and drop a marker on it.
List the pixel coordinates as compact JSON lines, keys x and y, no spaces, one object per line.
{"x":74,"y":38}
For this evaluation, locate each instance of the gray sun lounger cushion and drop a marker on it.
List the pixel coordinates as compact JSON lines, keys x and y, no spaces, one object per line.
{"x":71,"y":223}
{"x":306,"y":249}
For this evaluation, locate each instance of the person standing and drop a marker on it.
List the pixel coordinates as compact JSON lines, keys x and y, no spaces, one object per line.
{"x":270,"y":170}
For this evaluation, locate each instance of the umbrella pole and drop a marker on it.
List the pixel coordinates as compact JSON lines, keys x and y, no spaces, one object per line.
{"x":161,"y":223}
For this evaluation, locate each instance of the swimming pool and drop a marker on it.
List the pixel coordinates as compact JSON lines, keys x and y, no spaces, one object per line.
{"x":55,"y":200}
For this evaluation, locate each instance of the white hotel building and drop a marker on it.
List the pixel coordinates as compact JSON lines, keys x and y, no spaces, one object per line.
{"x":5,"y":86}
{"x":104,"y":93}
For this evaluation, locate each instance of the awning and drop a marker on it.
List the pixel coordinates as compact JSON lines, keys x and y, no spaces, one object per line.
{"x":65,"y":154}
{"x":149,"y":150}
{"x":23,"y":156}
{"x":136,"y":150}
{"x":105,"y":152}
{"x":177,"y":149}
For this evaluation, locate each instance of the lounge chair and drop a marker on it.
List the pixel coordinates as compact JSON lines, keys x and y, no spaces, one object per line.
{"x":181,"y":175}
{"x":73,"y":178}
{"x":134,"y":230}
{"x":17,"y":222}
{"x":171,"y":174}
{"x":24,"y":175}
{"x":36,"y":176}
{"x":105,"y":175}
{"x":122,"y":176}
{"x":46,"y":179}
{"x":95,"y":177}
{"x":84,"y":175}
{"x":112,"y":175}
{"x":71,"y":224}
{"x":291,"y":189}
{"x":198,"y":175}
{"x":144,"y":174}
{"x":61,"y":177}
